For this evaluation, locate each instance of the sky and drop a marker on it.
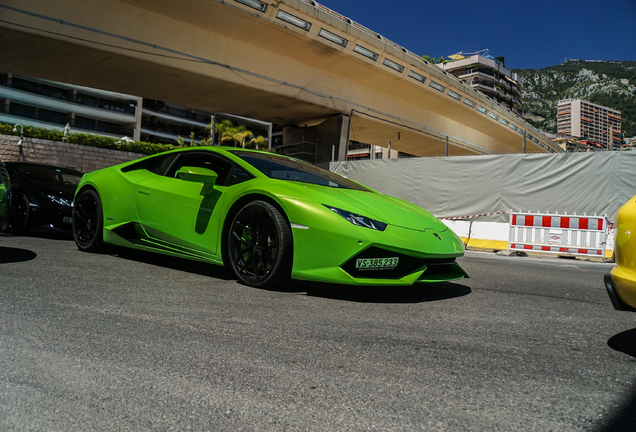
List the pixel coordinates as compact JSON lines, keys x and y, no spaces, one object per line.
{"x":532,"y":34}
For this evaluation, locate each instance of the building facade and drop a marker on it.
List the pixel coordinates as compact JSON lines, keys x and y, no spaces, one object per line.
{"x":77,"y":109}
{"x":489,"y":76}
{"x":593,"y":124}
{"x":52,"y":105}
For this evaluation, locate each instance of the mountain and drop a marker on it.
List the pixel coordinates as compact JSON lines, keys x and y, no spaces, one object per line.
{"x":608,"y":83}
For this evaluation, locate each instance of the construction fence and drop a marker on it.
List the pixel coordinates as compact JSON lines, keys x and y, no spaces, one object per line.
{"x":475,"y":194}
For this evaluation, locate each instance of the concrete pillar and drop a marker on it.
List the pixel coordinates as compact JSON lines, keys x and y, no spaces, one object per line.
{"x":138,"y":118}
{"x":523,"y":149}
{"x":343,"y":143}
{"x":212,"y":126}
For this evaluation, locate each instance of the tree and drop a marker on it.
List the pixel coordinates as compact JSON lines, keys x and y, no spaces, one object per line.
{"x":225,"y":131}
{"x":258,"y":143}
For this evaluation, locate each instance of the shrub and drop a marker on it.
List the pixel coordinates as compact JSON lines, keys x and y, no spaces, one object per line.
{"x":89,"y":140}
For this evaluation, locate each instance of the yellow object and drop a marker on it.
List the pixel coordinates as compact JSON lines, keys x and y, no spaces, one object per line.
{"x":621,"y":281}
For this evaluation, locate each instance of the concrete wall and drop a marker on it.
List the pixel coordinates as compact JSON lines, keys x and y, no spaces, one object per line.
{"x":82,"y":158}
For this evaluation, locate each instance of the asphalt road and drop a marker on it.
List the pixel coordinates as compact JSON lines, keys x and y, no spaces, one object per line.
{"x":133,"y":341}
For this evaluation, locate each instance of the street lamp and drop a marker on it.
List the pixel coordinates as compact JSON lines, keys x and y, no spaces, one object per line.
{"x":15,"y":130}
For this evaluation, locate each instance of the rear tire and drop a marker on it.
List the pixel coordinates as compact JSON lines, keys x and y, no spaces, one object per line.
{"x":88,"y":222}
{"x":259,"y":245}
{"x":19,"y":214}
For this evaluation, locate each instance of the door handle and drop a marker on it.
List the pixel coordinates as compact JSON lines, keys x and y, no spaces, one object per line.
{"x":143,"y":191}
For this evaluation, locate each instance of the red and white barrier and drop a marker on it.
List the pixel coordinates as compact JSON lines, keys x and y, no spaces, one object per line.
{"x":561,"y":234}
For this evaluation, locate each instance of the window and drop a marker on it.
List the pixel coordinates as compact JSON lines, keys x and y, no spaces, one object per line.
{"x":437,"y":86}
{"x":49,"y":175}
{"x":470,"y":103}
{"x":494,"y":116}
{"x":238,"y":175}
{"x":157,"y":164}
{"x":365,"y":52}
{"x":454,"y":95}
{"x":294,"y":170}
{"x":294,"y":20}
{"x":87,"y":100}
{"x":393,"y":65}
{"x":20,"y":110}
{"x":51,"y":116}
{"x":333,"y":37}
{"x":513,"y":127}
{"x":254,"y":4}
{"x":216,"y":163}
{"x":417,"y":77}
{"x":505,"y":122}
{"x":481,"y":109}
{"x":84,"y":123}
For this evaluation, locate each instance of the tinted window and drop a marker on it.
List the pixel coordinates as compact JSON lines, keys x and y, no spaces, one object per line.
{"x":238,"y":175}
{"x":284,"y":168}
{"x":48,"y":175}
{"x":218,"y":164}
{"x":158,"y":164}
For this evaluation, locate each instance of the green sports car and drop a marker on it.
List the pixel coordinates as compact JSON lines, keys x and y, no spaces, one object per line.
{"x":268,"y":217}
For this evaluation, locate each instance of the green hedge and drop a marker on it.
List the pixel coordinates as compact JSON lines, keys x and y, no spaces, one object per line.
{"x":89,"y":140}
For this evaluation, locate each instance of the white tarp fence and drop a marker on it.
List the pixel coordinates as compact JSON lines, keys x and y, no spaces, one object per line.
{"x":448,"y":187}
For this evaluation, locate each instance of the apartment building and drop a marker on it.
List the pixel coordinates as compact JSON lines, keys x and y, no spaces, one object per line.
{"x":489,"y":76}
{"x":596,"y":124}
{"x":54,"y":105}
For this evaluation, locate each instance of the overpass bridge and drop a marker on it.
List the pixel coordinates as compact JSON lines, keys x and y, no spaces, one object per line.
{"x":292,"y":62}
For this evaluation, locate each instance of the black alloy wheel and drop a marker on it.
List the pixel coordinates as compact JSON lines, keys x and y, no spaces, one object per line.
{"x":88,"y":222}
{"x":260,"y":245}
{"x":19,"y":214}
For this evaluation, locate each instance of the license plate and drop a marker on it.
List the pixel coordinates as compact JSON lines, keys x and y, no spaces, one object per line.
{"x":377,"y":263}
{"x":67,"y":220}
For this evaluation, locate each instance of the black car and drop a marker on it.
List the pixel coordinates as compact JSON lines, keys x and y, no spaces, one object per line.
{"x":42,"y":197}
{"x":5,"y":195}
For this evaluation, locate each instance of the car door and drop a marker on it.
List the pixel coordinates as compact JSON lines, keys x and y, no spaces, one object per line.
{"x":184,"y":214}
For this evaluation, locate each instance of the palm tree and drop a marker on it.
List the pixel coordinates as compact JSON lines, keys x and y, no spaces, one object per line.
{"x":258,"y":143}
{"x":238,"y":136}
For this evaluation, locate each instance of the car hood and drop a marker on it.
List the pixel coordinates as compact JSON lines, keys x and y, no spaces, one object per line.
{"x":384,"y":208}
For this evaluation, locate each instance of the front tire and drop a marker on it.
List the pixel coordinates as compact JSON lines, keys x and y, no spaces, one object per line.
{"x":88,"y":222}
{"x":260,"y":245}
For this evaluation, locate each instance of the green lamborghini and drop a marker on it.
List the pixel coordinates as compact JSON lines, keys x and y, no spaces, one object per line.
{"x":270,"y":218}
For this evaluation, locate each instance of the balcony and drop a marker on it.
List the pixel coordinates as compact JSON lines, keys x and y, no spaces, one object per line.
{"x":90,"y":109}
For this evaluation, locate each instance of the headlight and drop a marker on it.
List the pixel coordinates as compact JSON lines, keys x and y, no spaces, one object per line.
{"x":358,"y":220}
{"x":60,"y":201}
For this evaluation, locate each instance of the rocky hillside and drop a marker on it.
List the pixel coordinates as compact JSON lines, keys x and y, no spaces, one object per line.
{"x":611,"y":84}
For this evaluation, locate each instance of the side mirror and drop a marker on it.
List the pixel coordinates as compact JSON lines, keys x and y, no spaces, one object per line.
{"x":197,"y":175}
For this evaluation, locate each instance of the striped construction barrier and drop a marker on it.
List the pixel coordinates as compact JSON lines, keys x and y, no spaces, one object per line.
{"x":561,"y":234}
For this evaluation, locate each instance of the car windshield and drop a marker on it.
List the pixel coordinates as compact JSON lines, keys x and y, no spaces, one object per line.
{"x":284,"y":168}
{"x":49,"y":175}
